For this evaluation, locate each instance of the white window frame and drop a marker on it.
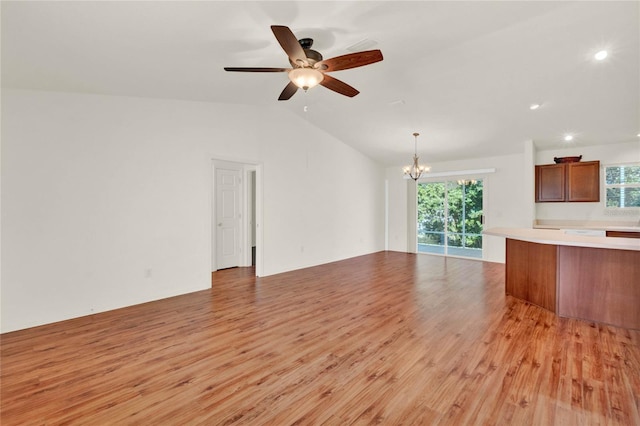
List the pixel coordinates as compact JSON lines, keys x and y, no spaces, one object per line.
{"x":618,"y":185}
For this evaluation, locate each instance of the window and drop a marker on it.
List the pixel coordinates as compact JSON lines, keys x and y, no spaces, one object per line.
{"x":622,"y":186}
{"x":450,"y":217}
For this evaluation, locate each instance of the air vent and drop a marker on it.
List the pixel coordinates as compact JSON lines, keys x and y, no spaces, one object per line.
{"x":364,"y":44}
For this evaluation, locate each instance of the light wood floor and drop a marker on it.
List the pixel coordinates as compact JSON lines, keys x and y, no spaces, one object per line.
{"x":388,"y":338}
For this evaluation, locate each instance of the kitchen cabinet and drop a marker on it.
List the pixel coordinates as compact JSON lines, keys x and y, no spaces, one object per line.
{"x":531,"y":272}
{"x":594,"y":279}
{"x":623,"y":234}
{"x":568,"y":182}
{"x":550,"y":183}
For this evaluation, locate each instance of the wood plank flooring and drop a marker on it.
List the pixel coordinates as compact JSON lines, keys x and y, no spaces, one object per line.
{"x":388,"y":338}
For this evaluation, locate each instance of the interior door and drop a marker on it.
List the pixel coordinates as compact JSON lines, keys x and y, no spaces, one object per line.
{"x":228,"y":217}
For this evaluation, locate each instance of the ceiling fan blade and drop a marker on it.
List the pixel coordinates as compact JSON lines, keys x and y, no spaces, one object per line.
{"x":351,"y":60}
{"x":253,"y":69}
{"x":338,"y":86}
{"x":290,"y":44}
{"x":289,"y":90}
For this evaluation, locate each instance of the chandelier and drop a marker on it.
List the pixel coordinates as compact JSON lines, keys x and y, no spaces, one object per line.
{"x":415,"y":171}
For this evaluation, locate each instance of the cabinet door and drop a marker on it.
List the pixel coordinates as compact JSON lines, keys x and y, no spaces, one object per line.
{"x":550,"y":183}
{"x":517,"y":268}
{"x":531,"y":272}
{"x":583,"y":181}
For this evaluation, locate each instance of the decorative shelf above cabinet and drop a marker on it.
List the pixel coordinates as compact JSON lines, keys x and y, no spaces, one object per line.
{"x":568,"y":182}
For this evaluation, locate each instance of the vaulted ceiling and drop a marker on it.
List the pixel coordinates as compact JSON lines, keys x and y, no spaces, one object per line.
{"x":463,"y":74}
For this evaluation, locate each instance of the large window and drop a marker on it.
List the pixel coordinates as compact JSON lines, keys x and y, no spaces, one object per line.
{"x":450,"y":218}
{"x":622,"y":186}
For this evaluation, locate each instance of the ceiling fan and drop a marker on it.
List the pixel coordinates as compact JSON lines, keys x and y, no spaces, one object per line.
{"x":309,"y":68}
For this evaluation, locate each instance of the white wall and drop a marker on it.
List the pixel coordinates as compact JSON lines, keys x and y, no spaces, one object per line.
{"x":508,"y":201}
{"x":606,"y":154}
{"x":397,"y":210}
{"x":97,"y":190}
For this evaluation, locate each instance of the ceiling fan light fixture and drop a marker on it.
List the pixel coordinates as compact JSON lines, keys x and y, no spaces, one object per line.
{"x":305,"y":78}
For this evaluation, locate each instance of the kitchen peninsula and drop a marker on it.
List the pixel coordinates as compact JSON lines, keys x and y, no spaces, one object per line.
{"x":594,"y":278}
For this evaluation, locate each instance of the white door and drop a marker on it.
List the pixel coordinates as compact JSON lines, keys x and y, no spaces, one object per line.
{"x":228,"y":217}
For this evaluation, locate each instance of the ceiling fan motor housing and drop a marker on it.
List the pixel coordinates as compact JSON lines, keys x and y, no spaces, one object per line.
{"x":313,"y":56}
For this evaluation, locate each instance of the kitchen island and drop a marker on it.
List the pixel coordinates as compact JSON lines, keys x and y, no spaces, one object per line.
{"x":593,"y":278}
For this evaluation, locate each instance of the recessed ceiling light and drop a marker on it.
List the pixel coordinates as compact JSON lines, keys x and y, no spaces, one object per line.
{"x":568,"y":138}
{"x":534,"y":106}
{"x":600,"y":55}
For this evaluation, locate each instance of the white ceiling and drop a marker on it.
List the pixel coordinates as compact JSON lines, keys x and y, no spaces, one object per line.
{"x":463,"y":74}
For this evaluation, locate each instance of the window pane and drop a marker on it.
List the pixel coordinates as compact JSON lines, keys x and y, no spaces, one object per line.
{"x":431,"y":217}
{"x":474,"y":241}
{"x":430,"y":207}
{"x":473,"y":212}
{"x":623,"y":197}
{"x":622,"y":174}
{"x":426,"y":237}
{"x":612,"y":175}
{"x":454,"y":239}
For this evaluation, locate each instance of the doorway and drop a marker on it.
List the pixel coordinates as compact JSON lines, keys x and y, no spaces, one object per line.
{"x":236,"y":212}
{"x":450,"y":217}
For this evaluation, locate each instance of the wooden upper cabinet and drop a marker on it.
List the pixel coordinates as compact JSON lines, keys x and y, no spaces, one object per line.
{"x":583,"y":181}
{"x":573,"y":182}
{"x":550,"y":183}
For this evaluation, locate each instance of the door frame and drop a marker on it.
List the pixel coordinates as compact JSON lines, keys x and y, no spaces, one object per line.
{"x":247,"y":168}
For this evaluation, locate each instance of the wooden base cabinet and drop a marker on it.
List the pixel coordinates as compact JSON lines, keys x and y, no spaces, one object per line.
{"x":531,"y":272}
{"x":600,"y":285}
{"x":593,"y":284}
{"x":623,"y":234}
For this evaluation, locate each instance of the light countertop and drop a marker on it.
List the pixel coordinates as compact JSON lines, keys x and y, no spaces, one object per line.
{"x":625,"y":226}
{"x":559,"y":237}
